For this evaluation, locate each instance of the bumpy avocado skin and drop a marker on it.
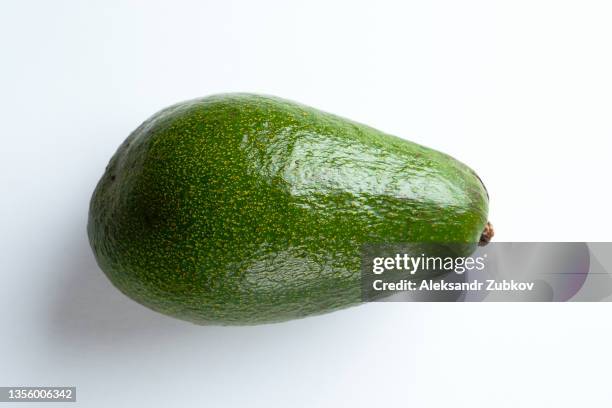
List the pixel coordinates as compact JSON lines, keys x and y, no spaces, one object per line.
{"x":248,"y":209}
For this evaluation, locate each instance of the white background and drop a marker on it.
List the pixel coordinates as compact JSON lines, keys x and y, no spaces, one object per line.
{"x":519,"y":90}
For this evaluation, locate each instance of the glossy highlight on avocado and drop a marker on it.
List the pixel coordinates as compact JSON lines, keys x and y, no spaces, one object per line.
{"x":240,"y":209}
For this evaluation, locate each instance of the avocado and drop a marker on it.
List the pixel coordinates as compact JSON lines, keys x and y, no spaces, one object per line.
{"x":239,"y":209}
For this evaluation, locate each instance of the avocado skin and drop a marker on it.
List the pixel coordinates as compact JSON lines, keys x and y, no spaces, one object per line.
{"x":240,"y":209}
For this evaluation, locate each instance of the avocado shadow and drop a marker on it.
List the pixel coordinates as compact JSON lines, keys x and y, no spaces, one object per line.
{"x":89,"y":317}
{"x":88,"y":311}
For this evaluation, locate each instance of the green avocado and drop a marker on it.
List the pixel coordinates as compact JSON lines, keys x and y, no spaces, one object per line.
{"x":240,"y":209}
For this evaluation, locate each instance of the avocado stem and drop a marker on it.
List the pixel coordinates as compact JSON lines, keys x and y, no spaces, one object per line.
{"x":486,"y":235}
